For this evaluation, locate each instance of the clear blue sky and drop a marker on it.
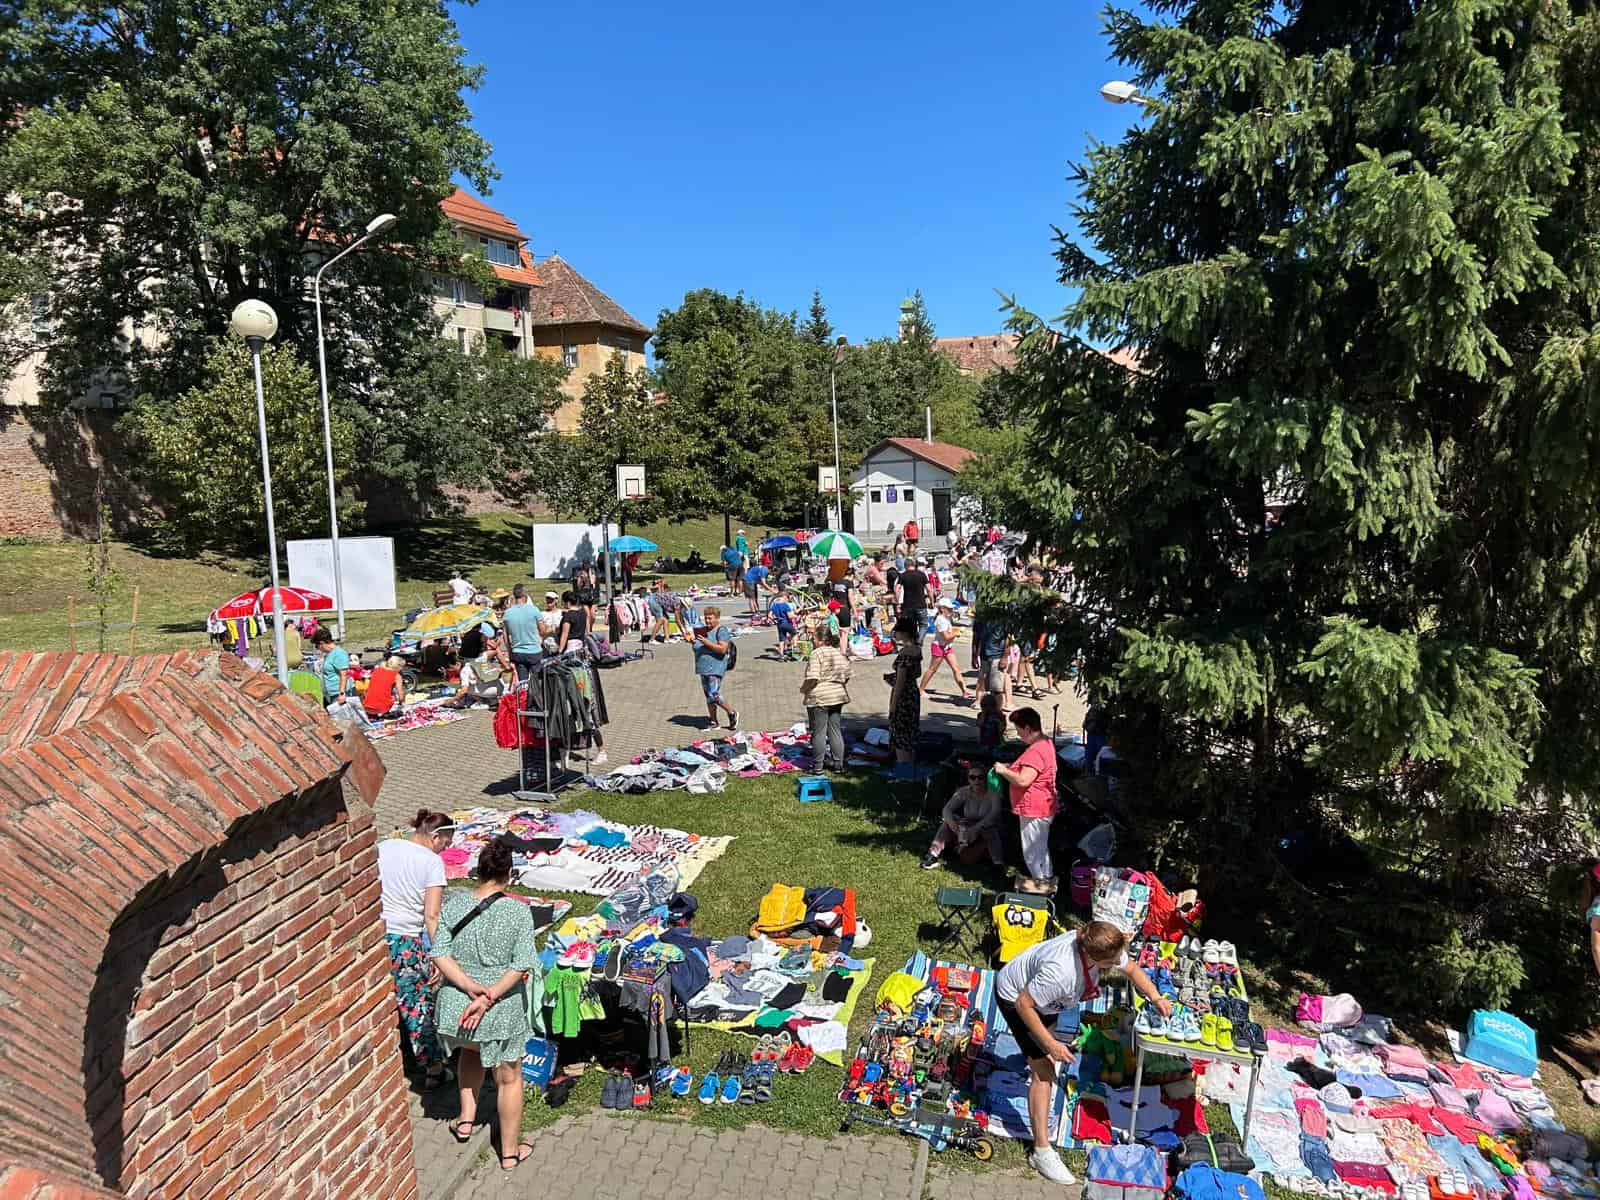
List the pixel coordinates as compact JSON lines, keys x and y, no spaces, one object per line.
{"x":866,"y":149}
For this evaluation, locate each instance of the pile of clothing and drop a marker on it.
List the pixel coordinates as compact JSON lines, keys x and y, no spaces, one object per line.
{"x":1350,"y":1107}
{"x":417,"y":715}
{"x":578,"y":851}
{"x":704,"y":765}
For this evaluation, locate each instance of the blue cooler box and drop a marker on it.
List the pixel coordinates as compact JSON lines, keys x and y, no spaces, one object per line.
{"x":1499,"y":1040}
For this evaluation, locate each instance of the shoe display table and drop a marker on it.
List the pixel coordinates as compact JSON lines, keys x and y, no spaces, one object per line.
{"x":1193,"y":1051}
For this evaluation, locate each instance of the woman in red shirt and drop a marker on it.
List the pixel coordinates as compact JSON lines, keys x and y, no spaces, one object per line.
{"x":383,"y":695}
{"x":1032,"y":780}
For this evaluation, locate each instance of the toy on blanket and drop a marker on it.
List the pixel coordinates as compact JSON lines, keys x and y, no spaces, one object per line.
{"x":913,"y":1070}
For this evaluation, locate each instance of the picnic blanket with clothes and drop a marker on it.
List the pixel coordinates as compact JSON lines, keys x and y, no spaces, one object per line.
{"x":578,"y":851}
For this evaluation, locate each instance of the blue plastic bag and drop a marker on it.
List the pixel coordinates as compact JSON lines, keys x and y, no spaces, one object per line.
{"x":538,"y":1061}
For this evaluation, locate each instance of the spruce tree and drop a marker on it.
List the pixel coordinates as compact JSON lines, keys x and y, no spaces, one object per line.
{"x":1334,"y":539}
{"x":818,"y":328}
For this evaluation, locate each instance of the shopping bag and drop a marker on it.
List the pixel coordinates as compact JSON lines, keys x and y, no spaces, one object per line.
{"x":1122,"y":897}
{"x":538,"y":1062}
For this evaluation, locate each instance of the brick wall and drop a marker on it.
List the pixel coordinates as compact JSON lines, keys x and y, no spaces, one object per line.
{"x":50,"y":465}
{"x":196,"y":1002}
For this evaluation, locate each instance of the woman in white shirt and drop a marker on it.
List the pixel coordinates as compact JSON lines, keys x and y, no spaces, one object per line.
{"x":412,"y":875}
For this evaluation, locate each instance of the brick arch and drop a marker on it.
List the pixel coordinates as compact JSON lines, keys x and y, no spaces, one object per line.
{"x":196,"y":998}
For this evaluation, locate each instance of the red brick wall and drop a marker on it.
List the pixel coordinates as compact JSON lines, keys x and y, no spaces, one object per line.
{"x":201,"y":1000}
{"x":50,"y":464}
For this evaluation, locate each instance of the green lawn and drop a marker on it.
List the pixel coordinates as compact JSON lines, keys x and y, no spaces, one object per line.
{"x":175,"y":594}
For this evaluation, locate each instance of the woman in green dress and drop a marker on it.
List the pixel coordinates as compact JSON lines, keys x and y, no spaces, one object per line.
{"x":485,"y":951}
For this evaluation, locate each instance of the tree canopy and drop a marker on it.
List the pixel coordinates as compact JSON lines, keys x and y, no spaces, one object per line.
{"x":1335,"y":538}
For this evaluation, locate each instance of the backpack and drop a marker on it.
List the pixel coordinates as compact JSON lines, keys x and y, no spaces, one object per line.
{"x":1221,"y":1151}
{"x":1125,"y":1173}
{"x":732,"y":660}
{"x":1202,"y":1182}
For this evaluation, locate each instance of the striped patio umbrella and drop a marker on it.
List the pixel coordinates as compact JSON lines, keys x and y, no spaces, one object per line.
{"x":831,"y":543}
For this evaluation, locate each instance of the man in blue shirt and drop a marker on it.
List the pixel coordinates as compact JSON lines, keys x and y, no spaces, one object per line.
{"x":754,"y":577}
{"x":732,"y":564}
{"x":989,"y":660}
{"x":713,"y":646}
{"x":522,"y":631}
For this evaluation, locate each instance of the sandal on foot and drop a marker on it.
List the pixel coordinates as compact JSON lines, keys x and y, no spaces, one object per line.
{"x":455,"y":1130}
{"x":523,"y":1154}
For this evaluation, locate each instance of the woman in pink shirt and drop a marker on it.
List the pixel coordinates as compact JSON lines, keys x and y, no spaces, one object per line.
{"x":1032,"y":780}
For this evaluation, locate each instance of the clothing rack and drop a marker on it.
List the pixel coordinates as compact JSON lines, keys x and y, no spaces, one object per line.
{"x":524,"y":710}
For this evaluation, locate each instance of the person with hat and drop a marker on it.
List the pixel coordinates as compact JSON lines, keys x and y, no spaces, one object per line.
{"x":944,"y":647}
{"x":550,"y":616}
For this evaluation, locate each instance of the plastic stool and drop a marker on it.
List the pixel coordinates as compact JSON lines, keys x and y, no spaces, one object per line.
{"x":813,"y":787}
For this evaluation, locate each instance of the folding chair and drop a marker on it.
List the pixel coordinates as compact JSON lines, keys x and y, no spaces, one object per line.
{"x":960,"y":909}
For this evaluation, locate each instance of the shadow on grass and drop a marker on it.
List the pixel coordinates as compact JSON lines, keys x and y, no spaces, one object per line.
{"x":432,"y":550}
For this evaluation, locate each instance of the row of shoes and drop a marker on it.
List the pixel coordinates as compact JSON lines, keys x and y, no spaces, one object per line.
{"x":1212,"y":1029}
{"x":1209,"y":951}
{"x":734,"y":1080}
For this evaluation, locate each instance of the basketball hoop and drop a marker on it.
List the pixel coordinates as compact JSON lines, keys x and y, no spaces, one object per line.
{"x":630,"y":483}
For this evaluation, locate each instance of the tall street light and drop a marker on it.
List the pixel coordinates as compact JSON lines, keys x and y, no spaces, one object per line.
{"x":256,"y":323}
{"x":833,"y":395}
{"x":1120,"y":91}
{"x":377,"y":225}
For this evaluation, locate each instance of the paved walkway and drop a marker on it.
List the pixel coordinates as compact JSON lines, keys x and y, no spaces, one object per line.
{"x":656,"y":703}
{"x":615,"y":1156}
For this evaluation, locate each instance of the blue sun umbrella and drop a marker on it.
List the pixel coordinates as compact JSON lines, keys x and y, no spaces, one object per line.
{"x":782,"y":542}
{"x":628,"y":544}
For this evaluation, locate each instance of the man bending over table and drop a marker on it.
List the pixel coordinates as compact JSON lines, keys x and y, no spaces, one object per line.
{"x":1037,"y":984}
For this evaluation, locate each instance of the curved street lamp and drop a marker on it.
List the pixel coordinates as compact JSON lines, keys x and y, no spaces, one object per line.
{"x":257,"y":324}
{"x":375,"y":226}
{"x":1120,"y":91}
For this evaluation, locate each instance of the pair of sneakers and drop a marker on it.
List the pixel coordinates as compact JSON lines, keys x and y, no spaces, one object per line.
{"x":1047,"y":1162}
{"x":724,"y":1082}
{"x":621,"y":1091}
{"x":1184,"y":1025}
{"x":1149,"y":1020}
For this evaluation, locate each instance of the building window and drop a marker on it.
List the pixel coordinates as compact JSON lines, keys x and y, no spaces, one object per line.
{"x":622,"y":344}
{"x":496,"y":250}
{"x":39,"y":314}
{"x":877,"y":496}
{"x":569,"y":356}
{"x":907,"y":496}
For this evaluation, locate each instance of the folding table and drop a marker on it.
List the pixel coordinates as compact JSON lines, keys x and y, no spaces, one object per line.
{"x":1193,"y":1051}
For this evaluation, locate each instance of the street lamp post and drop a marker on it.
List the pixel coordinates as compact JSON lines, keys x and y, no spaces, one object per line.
{"x":833,"y":396}
{"x":256,"y":323}
{"x":377,"y":225}
{"x":1120,"y":91}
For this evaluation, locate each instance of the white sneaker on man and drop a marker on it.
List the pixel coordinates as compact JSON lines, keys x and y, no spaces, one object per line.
{"x":1048,"y":1163}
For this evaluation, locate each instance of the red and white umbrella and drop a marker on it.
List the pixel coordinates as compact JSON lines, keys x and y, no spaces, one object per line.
{"x":254,"y":604}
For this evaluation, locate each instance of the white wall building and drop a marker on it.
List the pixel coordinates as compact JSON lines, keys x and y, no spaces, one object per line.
{"x":902,"y":478}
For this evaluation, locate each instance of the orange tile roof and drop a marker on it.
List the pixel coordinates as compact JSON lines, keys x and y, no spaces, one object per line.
{"x":466,"y":208}
{"x":940,"y":454}
{"x":567,"y":298}
{"x":525,"y":274}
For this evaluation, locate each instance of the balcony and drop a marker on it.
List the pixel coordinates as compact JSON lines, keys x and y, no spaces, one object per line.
{"x":499,"y":320}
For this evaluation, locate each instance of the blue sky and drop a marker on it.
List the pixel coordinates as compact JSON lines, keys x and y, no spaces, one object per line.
{"x":866,"y":149}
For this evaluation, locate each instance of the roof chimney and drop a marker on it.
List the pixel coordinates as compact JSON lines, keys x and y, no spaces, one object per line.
{"x":927,"y":416}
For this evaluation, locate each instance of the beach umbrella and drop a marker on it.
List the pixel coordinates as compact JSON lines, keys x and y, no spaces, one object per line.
{"x":255,"y":603}
{"x":449,"y":621}
{"x":296,"y":600}
{"x":628,"y":544}
{"x":782,"y":542}
{"x":830,"y":543}
{"x":1012,"y":540}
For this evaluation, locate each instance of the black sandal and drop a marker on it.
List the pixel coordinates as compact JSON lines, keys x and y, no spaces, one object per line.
{"x":517,"y":1159}
{"x":455,"y":1130}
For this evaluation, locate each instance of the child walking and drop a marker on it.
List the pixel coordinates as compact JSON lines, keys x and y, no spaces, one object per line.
{"x":782,"y":611}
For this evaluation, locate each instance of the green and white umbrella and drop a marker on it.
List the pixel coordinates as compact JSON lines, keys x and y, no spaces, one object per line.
{"x":830,"y":543}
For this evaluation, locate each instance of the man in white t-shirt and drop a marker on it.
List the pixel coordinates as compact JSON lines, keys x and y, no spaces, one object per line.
{"x":1058,"y":974}
{"x":461,"y":589}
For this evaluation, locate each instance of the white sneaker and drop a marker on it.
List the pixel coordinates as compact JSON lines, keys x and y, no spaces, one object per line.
{"x":1048,"y":1163}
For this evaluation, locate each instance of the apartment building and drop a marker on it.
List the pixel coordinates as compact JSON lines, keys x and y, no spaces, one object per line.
{"x":472,"y":317}
{"x":582,"y":326}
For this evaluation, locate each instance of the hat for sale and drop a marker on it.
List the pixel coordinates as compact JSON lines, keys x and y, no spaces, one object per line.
{"x":579,"y":954}
{"x":863,"y":935}
{"x":945,"y":602}
{"x":682,"y":907}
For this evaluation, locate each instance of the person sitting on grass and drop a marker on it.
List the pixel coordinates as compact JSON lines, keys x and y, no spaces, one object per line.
{"x":1059,"y":973}
{"x":971,"y":820}
{"x":782,"y":611}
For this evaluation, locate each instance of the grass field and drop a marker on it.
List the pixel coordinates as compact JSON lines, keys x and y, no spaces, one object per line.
{"x":175,"y":594}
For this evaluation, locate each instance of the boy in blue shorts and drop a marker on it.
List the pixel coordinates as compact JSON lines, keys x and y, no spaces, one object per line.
{"x":782,"y":611}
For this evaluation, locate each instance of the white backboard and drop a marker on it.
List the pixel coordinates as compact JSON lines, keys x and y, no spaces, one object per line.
{"x":367,"y":564}
{"x":630,"y":482}
{"x":827,"y":479}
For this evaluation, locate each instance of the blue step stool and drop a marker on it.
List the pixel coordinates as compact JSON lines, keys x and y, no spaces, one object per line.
{"x":813,"y":787}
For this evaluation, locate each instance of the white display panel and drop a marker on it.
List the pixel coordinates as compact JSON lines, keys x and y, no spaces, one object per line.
{"x":367,"y":562}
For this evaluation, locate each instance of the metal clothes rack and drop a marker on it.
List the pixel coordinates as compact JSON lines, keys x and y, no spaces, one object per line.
{"x":541,"y":669}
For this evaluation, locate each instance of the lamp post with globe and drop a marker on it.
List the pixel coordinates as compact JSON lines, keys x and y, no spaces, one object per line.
{"x":256,"y":323}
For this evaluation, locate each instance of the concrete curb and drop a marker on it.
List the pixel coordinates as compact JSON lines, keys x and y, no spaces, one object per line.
{"x":444,"y":1187}
{"x":919,"y":1173}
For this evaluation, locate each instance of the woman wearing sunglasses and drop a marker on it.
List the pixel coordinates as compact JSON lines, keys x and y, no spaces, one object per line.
{"x":971,"y":821}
